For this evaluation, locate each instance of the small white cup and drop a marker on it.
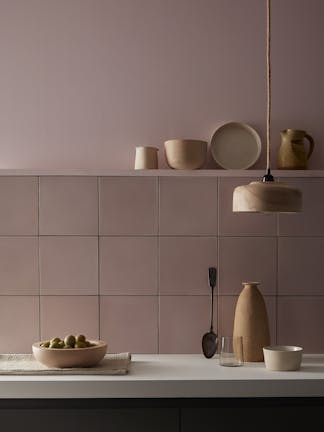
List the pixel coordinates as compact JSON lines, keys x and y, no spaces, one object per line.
{"x":231,"y":351}
{"x":282,"y":357}
{"x":146,"y":157}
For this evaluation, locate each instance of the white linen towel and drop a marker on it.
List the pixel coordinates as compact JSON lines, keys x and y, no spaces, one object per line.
{"x":26,"y":364}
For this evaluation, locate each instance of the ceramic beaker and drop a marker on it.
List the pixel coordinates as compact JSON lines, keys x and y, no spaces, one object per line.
{"x":146,"y":157}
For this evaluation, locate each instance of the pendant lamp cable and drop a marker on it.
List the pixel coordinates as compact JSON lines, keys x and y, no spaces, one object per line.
{"x":267,"y":196}
{"x":268,"y":176}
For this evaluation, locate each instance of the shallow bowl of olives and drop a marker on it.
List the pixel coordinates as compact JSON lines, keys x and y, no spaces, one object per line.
{"x":72,"y":351}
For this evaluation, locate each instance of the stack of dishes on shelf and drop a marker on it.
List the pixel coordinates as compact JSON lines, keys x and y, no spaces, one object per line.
{"x":234,"y":145}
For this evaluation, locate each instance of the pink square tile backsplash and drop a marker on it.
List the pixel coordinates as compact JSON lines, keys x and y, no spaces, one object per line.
{"x":126,"y":259}
{"x":19,"y":266}
{"x":130,"y":323}
{"x":62,"y":315}
{"x":128,"y":265}
{"x":253,"y":258}
{"x":184,"y":262}
{"x":19,"y":206}
{"x":188,"y":206}
{"x":310,"y":221}
{"x":183,"y":321}
{"x":68,"y":265}
{"x":128,"y":206}
{"x":68,"y":206}
{"x":301,"y":261}
{"x":19,"y":323}
{"x":301,"y":322}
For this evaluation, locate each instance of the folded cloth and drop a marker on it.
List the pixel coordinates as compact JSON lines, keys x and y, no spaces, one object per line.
{"x":26,"y":364}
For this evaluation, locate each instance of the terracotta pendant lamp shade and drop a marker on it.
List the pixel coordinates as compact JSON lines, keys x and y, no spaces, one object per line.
{"x":267,"y":196}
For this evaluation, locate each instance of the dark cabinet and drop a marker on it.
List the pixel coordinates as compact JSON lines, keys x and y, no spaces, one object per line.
{"x":269,"y":417}
{"x":90,"y":420}
{"x":163,"y":415}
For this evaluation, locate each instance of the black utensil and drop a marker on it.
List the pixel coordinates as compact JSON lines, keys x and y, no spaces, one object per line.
{"x":210,"y":340}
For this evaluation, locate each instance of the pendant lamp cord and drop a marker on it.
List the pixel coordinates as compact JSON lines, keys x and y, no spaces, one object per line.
{"x":268,"y":82}
{"x":268,"y":176}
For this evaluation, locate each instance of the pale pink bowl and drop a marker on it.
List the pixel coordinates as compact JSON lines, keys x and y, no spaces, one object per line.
{"x":70,"y":357}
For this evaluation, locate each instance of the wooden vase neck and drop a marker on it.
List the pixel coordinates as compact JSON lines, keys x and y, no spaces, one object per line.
{"x":252,"y":284}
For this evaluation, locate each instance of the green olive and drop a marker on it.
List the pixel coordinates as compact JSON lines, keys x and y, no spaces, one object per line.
{"x":56,"y":339}
{"x":88,"y":343}
{"x":80,"y":344}
{"x":80,"y":338}
{"x":55,"y":345}
{"x":68,"y":347}
{"x":69,"y":340}
{"x":45,"y":344}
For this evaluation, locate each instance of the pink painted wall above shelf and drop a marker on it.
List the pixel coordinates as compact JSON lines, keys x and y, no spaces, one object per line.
{"x":133,"y":73}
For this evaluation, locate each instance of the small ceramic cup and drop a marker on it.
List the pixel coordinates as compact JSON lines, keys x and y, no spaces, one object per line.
{"x":282,"y":357}
{"x":146,"y":157}
{"x":231,"y":351}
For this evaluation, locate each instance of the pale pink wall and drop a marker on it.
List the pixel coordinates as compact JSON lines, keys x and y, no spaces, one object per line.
{"x":298,"y":87}
{"x":83,"y":82}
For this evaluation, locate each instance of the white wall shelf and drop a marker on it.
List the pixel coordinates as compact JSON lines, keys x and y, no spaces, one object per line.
{"x":160,"y":173}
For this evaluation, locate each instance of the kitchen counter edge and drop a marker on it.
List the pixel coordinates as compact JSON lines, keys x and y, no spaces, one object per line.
{"x":174,"y":376}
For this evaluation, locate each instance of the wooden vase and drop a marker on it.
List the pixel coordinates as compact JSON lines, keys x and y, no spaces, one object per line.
{"x":251,"y":322}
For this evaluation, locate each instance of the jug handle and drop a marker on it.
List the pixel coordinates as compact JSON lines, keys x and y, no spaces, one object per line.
{"x":311,"y":145}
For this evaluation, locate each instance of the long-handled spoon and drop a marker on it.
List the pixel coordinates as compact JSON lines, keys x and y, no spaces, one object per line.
{"x":210,"y":340}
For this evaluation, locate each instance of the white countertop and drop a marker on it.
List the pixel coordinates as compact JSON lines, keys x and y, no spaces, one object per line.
{"x":175,"y":376}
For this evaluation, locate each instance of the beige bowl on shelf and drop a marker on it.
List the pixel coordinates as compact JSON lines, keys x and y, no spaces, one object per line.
{"x":282,"y":357}
{"x":70,"y":357}
{"x":185,"y":153}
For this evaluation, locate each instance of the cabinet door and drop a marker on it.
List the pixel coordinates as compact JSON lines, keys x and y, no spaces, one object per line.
{"x":252,"y":419}
{"x":90,"y":420}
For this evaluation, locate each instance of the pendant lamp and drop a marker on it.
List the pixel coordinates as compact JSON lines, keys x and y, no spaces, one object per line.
{"x":266,"y":195}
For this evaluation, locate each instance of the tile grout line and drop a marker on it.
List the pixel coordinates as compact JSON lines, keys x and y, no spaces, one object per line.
{"x":218,"y":260}
{"x":98,"y":258}
{"x":135,"y":295}
{"x":318,"y":296}
{"x":277,"y":276}
{"x":309,"y":237}
{"x":158,"y":265}
{"x":232,"y":294}
{"x":38,"y":260}
{"x":309,"y":296}
{"x":277,"y":279}
{"x":277,"y":287}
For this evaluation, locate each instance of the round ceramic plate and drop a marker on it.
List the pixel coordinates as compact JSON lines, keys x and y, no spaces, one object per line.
{"x":235,"y":146}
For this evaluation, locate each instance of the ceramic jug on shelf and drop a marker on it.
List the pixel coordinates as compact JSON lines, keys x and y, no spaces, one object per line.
{"x":292,"y":152}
